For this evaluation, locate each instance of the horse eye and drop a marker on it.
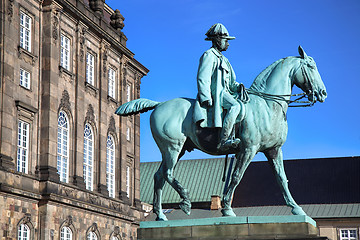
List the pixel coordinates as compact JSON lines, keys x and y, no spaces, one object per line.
{"x":311,"y":66}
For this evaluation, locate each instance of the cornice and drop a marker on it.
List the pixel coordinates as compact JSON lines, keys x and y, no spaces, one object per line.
{"x":70,"y":8}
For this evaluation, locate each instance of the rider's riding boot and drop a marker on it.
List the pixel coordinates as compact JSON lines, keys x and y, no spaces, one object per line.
{"x":228,"y":143}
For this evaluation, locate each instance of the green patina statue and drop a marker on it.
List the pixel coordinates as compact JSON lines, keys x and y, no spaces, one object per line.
{"x":182,"y":124}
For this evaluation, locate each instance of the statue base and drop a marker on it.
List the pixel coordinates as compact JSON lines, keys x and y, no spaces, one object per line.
{"x":257,"y":227}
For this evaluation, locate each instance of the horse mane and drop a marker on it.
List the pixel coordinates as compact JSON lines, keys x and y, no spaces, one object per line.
{"x":258,"y":84}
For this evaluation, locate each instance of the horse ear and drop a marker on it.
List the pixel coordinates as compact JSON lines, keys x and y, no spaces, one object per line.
{"x":302,"y":53}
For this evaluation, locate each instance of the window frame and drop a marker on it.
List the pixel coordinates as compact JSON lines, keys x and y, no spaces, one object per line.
{"x":89,"y":67}
{"x":128,"y":92}
{"x":110,"y":166}
{"x":61,"y":155}
{"x":128,"y":181}
{"x":22,"y":44}
{"x":91,"y":236}
{"x":128,"y":134}
{"x":65,"y":52}
{"x":21,"y":158}
{"x":20,"y":230}
{"x":88,"y":168}
{"x":69,"y":230}
{"x":112,"y":79}
{"x":348,"y":230}
{"x":26,"y":83}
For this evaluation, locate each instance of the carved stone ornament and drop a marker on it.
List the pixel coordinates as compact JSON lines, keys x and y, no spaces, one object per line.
{"x":68,"y":221}
{"x":117,"y":20}
{"x":82,"y":31}
{"x":112,"y":127}
{"x":105,"y":57}
{"x":11,"y":10}
{"x":27,"y":218}
{"x":116,"y":232}
{"x":55,"y":25}
{"x":94,"y":227}
{"x":97,"y":5}
{"x":90,"y":117}
{"x":65,"y":101}
{"x":137,"y":85}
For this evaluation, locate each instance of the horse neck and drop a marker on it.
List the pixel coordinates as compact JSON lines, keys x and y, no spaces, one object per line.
{"x":277,"y":78}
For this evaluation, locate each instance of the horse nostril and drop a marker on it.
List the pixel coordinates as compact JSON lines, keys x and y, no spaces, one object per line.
{"x":323,"y":92}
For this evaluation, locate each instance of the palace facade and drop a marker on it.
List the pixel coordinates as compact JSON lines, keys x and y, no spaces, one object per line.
{"x":69,"y":167}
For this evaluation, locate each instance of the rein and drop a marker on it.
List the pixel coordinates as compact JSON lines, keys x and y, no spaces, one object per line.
{"x":277,"y":98}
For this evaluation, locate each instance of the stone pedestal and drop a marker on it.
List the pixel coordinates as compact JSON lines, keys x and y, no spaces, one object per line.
{"x":274,"y":227}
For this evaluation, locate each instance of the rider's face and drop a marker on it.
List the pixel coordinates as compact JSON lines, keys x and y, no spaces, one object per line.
{"x":224,"y":44}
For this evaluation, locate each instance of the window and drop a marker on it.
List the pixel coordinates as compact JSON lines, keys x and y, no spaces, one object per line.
{"x":23,"y":147}
{"x":90,"y":64}
{"x":111,"y":84}
{"x":24,"y":78}
{"x":25,"y":31}
{"x":128,"y":134}
{"x":348,"y":234}
{"x":65,"y":52}
{"x":23,"y":232}
{"x":128,"y":93}
{"x":128,"y":181}
{"x":110,"y":166}
{"x":65,"y":233}
{"x":91,"y":236}
{"x":63,"y":147}
{"x":88,"y":157}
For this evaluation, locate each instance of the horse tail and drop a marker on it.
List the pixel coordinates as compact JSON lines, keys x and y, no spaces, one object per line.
{"x":136,"y":106}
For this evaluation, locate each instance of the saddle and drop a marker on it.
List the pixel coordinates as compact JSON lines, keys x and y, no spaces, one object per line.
{"x":209,"y":138}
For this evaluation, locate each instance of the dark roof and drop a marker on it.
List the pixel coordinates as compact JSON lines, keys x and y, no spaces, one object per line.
{"x":311,"y":181}
{"x":316,"y":211}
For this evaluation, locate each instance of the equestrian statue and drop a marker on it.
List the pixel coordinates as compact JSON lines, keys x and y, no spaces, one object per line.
{"x":225,"y":118}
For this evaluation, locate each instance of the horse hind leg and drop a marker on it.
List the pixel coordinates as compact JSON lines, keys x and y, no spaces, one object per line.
{"x":170,"y":158}
{"x":275,"y":159}
{"x":159,"y":182}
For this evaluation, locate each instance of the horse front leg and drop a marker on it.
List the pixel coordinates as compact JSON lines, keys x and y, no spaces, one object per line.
{"x":243,"y":161}
{"x":275,"y":158}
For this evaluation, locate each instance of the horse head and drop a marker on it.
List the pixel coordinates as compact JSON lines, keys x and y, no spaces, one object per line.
{"x":308,"y":78}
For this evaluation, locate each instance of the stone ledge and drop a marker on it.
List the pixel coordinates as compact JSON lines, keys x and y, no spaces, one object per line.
{"x":277,"y":227}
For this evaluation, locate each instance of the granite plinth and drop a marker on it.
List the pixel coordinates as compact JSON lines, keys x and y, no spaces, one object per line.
{"x":274,"y":227}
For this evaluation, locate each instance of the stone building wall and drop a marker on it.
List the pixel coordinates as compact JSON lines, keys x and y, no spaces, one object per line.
{"x":37,"y":197}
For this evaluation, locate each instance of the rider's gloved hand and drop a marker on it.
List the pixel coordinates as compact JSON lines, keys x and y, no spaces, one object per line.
{"x":207,"y":103}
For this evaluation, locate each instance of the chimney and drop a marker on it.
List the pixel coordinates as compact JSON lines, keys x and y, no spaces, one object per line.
{"x":215,"y":202}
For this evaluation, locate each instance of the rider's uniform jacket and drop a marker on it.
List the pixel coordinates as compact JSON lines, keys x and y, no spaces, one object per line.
{"x":215,"y":75}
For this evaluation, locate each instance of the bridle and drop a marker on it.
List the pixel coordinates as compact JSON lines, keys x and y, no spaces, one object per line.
{"x":278,"y":98}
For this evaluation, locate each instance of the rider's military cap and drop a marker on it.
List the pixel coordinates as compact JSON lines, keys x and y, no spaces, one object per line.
{"x":218,"y":30}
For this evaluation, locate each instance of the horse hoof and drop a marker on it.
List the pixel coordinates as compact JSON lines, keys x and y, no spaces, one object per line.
{"x":298,"y":211}
{"x":185,"y":205}
{"x":228,"y":212}
{"x":161,"y":217}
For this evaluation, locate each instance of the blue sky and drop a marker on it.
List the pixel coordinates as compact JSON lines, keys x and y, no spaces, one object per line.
{"x":168,"y":38}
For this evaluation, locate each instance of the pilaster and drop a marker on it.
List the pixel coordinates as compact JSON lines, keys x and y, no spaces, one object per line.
{"x":50,"y":77}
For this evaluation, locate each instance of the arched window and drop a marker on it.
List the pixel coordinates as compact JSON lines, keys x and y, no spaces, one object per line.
{"x":23,"y":232}
{"x":92,"y":236}
{"x":63,"y":147}
{"x":110,"y":165}
{"x":88,"y":157}
{"x":65,"y":233}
